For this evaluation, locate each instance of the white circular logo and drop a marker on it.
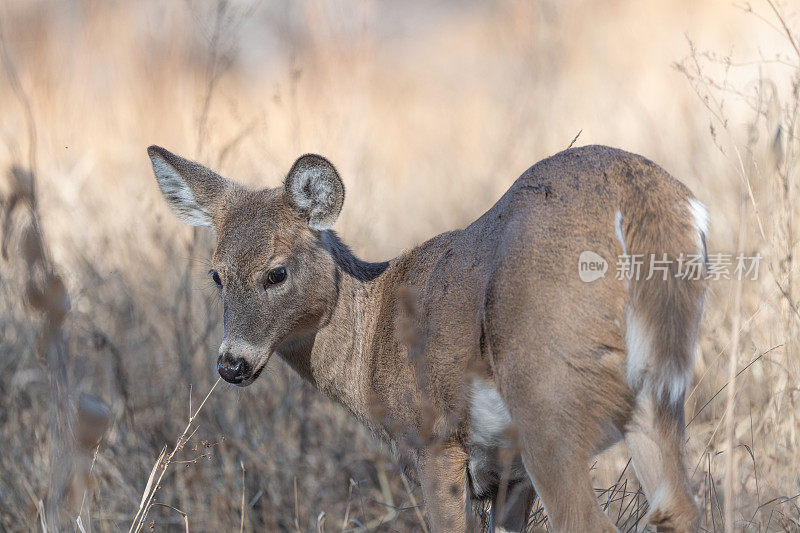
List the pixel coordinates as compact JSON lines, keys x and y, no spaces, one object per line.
{"x":591,"y":266}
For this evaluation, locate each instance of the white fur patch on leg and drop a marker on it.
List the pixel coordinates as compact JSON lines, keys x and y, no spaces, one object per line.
{"x":638,"y":341}
{"x":488,"y":436}
{"x":670,"y":383}
{"x":488,"y":414}
{"x":660,"y":498}
{"x":646,"y":454}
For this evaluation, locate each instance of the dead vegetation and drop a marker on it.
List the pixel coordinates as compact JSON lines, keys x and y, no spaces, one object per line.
{"x":107,"y":330}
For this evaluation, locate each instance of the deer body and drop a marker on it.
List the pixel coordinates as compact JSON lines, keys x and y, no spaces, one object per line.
{"x":480,"y":354}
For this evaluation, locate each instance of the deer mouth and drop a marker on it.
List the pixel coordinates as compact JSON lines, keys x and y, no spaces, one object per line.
{"x":257,"y":372}
{"x":252,"y":377}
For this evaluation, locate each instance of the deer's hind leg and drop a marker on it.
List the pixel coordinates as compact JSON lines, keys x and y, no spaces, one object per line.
{"x":654,"y":437}
{"x":566,"y":408}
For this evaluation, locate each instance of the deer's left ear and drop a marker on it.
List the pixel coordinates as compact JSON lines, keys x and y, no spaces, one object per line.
{"x":314,"y":189}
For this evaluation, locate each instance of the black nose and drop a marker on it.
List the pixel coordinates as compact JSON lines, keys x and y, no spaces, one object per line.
{"x":233,"y":369}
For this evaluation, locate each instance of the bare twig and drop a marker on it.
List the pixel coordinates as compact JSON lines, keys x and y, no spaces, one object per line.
{"x":150,"y":488}
{"x":786,"y":29}
{"x":731,"y":475}
{"x":296,"y":508}
{"x":16,"y":86}
{"x":414,"y":503}
{"x":751,"y":363}
{"x":572,"y":142}
{"x":241,"y":521}
{"x":183,"y":514}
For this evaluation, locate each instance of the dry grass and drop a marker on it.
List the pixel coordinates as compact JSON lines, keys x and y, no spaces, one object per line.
{"x":430,"y":111}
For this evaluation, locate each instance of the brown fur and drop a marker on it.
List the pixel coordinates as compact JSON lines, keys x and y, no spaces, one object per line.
{"x":500,"y":300}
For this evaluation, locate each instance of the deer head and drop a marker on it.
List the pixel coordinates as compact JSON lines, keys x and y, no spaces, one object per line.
{"x":275,"y":278}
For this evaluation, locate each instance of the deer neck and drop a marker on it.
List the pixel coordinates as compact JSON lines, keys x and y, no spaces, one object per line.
{"x":337,"y":358}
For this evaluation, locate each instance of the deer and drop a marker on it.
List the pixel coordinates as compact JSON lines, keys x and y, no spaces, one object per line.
{"x":529,"y":371}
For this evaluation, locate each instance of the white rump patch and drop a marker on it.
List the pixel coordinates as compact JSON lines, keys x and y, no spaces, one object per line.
{"x":618,"y":231}
{"x":670,"y":382}
{"x":700,"y":221}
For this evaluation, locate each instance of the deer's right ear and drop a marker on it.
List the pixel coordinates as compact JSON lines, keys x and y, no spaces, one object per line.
{"x":192,"y":191}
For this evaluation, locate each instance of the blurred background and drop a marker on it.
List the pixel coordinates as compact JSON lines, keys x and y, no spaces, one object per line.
{"x":430,"y":110}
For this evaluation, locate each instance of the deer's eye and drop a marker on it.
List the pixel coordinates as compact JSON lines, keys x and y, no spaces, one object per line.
{"x":215,"y":277}
{"x":275,"y":276}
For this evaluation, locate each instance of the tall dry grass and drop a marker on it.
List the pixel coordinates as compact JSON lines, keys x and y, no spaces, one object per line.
{"x":430,"y":111}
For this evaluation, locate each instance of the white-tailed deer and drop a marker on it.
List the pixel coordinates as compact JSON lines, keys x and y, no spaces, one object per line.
{"x":494,"y":368}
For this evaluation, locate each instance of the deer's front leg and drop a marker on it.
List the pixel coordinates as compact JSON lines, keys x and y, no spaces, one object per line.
{"x":443,"y":475}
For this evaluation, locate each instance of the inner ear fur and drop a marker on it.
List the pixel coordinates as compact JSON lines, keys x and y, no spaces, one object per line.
{"x":314,"y":189}
{"x":193,"y":191}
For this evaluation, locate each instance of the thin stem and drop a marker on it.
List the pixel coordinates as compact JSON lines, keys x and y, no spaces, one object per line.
{"x":150,"y":491}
